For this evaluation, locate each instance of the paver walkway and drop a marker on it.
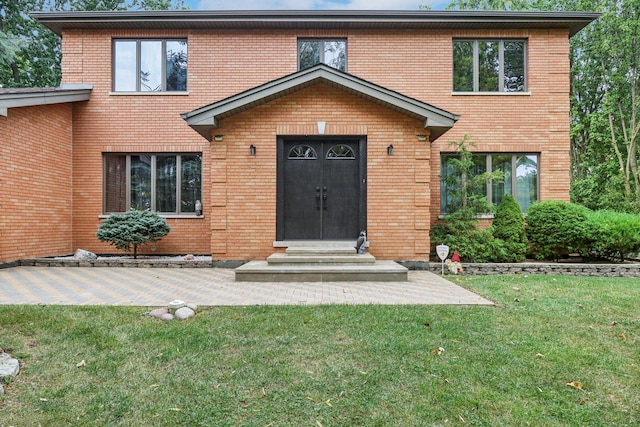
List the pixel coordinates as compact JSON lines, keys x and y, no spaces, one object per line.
{"x":212,"y":287}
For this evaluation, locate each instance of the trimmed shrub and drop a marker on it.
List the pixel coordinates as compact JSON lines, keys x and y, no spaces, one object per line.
{"x":614,"y":234}
{"x":508,"y":225}
{"x":133,"y":229}
{"x":555,"y":229}
{"x":472,"y":243}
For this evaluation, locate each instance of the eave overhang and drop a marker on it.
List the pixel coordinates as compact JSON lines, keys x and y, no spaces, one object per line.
{"x":204,"y":119}
{"x":28,"y":97}
{"x":315,"y":19}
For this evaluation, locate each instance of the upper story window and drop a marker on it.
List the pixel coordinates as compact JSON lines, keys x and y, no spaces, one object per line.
{"x":489,"y":66}
{"x":316,"y":51}
{"x":149,"y":65}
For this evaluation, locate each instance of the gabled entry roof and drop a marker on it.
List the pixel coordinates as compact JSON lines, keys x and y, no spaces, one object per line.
{"x":206,"y":118}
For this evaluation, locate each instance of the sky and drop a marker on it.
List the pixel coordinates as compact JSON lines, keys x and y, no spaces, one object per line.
{"x":313,"y":4}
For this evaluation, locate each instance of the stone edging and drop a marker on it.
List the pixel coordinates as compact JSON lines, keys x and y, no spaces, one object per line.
{"x":567,"y":269}
{"x":122,"y":262}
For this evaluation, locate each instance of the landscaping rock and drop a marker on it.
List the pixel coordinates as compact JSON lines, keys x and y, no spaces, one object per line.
{"x":1,"y":389}
{"x":175,"y":305}
{"x":81,"y":254}
{"x":9,"y":367}
{"x":184,"y":313}
{"x":176,"y":309}
{"x":166,"y":316}
{"x":158,"y":312}
{"x":189,"y":257}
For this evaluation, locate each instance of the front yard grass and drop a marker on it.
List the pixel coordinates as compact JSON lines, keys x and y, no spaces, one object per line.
{"x":555,"y":351}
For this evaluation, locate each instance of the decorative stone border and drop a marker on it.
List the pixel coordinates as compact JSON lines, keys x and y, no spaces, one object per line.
{"x":567,"y":269}
{"x":123,"y":262}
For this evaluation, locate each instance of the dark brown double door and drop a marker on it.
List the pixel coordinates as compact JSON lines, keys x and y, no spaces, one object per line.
{"x":321,"y":188}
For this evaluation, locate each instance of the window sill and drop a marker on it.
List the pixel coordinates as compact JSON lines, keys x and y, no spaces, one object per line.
{"x":168,"y":216}
{"x":148,"y":93}
{"x":491,"y":93}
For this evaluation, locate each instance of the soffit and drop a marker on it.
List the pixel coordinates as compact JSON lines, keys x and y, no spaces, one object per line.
{"x":327,"y":19}
{"x":27,"y":97}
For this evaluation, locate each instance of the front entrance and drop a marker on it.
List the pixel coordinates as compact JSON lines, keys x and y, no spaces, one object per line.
{"x":321,"y":188}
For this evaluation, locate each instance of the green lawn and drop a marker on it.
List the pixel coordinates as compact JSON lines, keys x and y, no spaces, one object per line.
{"x":338,"y":365}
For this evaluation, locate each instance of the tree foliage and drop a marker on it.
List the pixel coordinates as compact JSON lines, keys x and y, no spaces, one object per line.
{"x":508,"y":225}
{"x":614,"y":234}
{"x":460,"y":228}
{"x":605,"y":98}
{"x":133,"y":229}
{"x":556,"y":229}
{"x":30,"y":54}
{"x":466,"y":188}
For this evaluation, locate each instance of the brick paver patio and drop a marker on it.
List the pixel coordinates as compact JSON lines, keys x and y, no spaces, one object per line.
{"x":212,"y":287}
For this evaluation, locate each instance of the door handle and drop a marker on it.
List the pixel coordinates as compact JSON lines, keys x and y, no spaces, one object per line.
{"x":324,"y":199}
{"x":317,"y":198}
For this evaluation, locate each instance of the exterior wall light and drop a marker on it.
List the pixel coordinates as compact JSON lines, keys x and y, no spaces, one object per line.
{"x":218,"y":138}
{"x":390,"y":150}
{"x":252,"y":150}
{"x":422,"y":138}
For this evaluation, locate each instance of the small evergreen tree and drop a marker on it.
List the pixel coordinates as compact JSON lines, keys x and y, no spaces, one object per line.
{"x":133,"y":229}
{"x":508,"y":225}
{"x":466,"y":188}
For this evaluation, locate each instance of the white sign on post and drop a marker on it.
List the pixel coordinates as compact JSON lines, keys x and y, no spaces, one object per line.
{"x":443,"y":253}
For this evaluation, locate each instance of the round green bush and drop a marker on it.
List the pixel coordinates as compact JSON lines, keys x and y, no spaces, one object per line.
{"x":133,"y":229}
{"x":614,"y":234}
{"x":556,"y":229}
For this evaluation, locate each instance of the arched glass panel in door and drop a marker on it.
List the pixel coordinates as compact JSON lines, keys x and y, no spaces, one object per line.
{"x":341,"y":152}
{"x":302,"y":152}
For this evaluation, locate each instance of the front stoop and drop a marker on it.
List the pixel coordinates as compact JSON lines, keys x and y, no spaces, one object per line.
{"x":321,"y":264}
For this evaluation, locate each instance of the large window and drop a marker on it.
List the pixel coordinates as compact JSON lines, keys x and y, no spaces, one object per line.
{"x":165,"y":183}
{"x":330,"y":52}
{"x":520,"y":179}
{"x":149,"y":65}
{"x":489,"y":66}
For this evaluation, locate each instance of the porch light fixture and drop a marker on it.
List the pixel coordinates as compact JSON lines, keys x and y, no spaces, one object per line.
{"x":218,"y":138}
{"x":321,"y":127}
{"x":390,"y":150}
{"x":422,"y":138}
{"x":252,"y":150}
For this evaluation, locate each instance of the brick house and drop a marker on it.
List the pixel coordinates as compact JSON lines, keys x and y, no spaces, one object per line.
{"x":251,"y":131}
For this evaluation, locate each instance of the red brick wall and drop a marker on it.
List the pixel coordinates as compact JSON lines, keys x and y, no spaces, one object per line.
{"x":222,"y":63}
{"x":35,"y":182}
{"x":244,"y":187}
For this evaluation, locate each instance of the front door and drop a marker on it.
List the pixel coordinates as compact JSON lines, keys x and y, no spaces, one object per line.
{"x":321,"y":189}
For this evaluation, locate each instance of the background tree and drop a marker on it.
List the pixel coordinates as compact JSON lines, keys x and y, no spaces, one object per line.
{"x":33,"y":58}
{"x":605,"y":98}
{"x":30,"y":54}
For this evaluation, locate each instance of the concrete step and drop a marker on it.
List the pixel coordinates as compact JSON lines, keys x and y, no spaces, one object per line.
{"x":262,"y":271}
{"x":322,"y":258}
{"x":321,"y":250}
